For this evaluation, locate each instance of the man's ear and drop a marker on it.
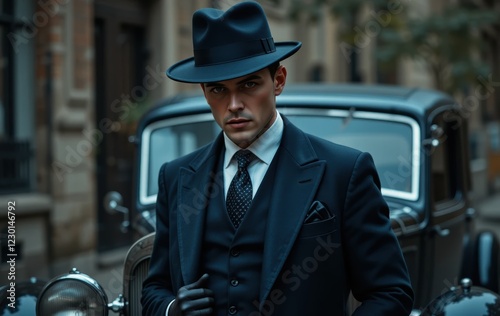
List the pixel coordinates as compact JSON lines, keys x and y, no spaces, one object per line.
{"x":279,"y":80}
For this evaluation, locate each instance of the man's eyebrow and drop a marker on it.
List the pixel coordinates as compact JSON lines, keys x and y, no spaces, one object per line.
{"x":249,"y":78}
{"x":219,"y":84}
{"x":213,"y":84}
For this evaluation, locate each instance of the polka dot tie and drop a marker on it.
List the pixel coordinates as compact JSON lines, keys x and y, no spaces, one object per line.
{"x":239,"y":195}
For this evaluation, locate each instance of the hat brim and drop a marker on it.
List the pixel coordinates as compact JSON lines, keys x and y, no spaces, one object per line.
{"x":186,"y":71}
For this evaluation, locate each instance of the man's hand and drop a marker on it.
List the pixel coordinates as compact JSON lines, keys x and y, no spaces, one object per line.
{"x":193,"y":299}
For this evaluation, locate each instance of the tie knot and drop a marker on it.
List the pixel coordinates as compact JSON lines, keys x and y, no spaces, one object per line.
{"x":244,"y":157}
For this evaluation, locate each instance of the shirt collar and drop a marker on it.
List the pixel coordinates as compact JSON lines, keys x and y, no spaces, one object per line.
{"x":264,"y":147}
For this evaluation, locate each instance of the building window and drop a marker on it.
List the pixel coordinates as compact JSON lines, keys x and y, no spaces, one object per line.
{"x":16,"y":97}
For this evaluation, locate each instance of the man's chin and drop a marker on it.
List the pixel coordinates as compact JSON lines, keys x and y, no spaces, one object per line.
{"x":243,"y":141}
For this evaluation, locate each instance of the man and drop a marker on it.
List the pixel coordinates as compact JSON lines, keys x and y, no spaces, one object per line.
{"x":266,"y":220}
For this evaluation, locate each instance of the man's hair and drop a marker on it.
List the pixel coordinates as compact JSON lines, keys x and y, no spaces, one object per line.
{"x":273,"y":68}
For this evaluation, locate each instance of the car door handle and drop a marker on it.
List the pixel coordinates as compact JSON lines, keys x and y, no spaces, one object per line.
{"x":440,"y":231}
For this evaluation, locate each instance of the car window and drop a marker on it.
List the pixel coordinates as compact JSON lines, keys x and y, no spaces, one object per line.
{"x":166,"y":140}
{"x":390,"y":142}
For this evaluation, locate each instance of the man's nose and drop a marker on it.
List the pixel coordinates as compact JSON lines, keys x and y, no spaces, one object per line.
{"x":235,"y":103}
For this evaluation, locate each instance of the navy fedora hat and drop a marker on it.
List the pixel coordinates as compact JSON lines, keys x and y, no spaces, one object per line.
{"x":230,"y":44}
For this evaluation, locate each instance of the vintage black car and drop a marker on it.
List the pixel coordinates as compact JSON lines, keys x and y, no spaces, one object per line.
{"x":417,"y":137}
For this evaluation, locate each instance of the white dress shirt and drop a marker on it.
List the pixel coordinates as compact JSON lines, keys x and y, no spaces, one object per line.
{"x":264,"y":148}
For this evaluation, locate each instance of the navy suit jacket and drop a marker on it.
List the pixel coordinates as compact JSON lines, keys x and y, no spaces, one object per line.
{"x":308,"y":268}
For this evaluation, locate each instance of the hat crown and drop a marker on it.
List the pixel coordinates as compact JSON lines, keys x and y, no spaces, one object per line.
{"x":230,"y":44}
{"x":238,"y":33}
{"x":240,"y":23}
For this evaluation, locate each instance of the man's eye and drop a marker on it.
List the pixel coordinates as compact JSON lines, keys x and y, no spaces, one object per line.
{"x":217,"y":90}
{"x":249,"y":84}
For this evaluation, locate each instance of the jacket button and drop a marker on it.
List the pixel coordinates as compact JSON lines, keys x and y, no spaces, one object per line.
{"x":234,"y":282}
{"x":232,"y":310}
{"x":235,"y":252}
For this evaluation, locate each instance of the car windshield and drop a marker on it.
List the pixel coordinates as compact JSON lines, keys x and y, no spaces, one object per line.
{"x":392,"y":140}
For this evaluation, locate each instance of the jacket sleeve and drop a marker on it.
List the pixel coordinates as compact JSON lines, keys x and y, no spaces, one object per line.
{"x":378,"y":274}
{"x":157,"y":287}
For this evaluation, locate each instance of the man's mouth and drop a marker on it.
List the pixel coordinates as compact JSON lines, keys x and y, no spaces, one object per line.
{"x":237,"y":122}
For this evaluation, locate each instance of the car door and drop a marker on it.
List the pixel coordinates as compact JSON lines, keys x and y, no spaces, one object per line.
{"x":447,"y":191}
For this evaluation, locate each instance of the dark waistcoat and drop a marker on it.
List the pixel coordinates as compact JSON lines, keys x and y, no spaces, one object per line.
{"x":233,"y":258}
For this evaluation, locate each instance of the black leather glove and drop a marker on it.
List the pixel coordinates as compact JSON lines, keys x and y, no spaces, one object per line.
{"x":193,"y":299}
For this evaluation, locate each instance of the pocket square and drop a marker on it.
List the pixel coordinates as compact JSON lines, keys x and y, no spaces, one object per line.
{"x":317,"y":212}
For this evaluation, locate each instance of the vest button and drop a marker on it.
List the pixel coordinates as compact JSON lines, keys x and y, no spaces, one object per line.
{"x":234,"y":282}
{"x":235,"y":252}
{"x":232,"y":310}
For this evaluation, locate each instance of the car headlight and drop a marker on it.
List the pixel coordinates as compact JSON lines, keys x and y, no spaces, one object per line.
{"x":74,"y":293}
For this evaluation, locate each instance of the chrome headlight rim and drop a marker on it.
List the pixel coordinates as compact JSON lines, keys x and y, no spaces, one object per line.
{"x":76,"y":276}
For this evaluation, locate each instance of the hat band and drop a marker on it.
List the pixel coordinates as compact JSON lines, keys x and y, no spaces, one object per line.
{"x":234,"y":51}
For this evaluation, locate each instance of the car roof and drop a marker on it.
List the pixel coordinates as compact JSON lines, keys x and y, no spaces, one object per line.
{"x":415,"y":102}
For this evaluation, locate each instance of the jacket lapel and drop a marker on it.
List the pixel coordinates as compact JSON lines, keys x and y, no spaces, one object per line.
{"x":297,"y":180}
{"x":192,"y":199}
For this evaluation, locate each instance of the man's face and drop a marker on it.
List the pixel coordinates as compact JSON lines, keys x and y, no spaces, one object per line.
{"x":245,"y":107}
